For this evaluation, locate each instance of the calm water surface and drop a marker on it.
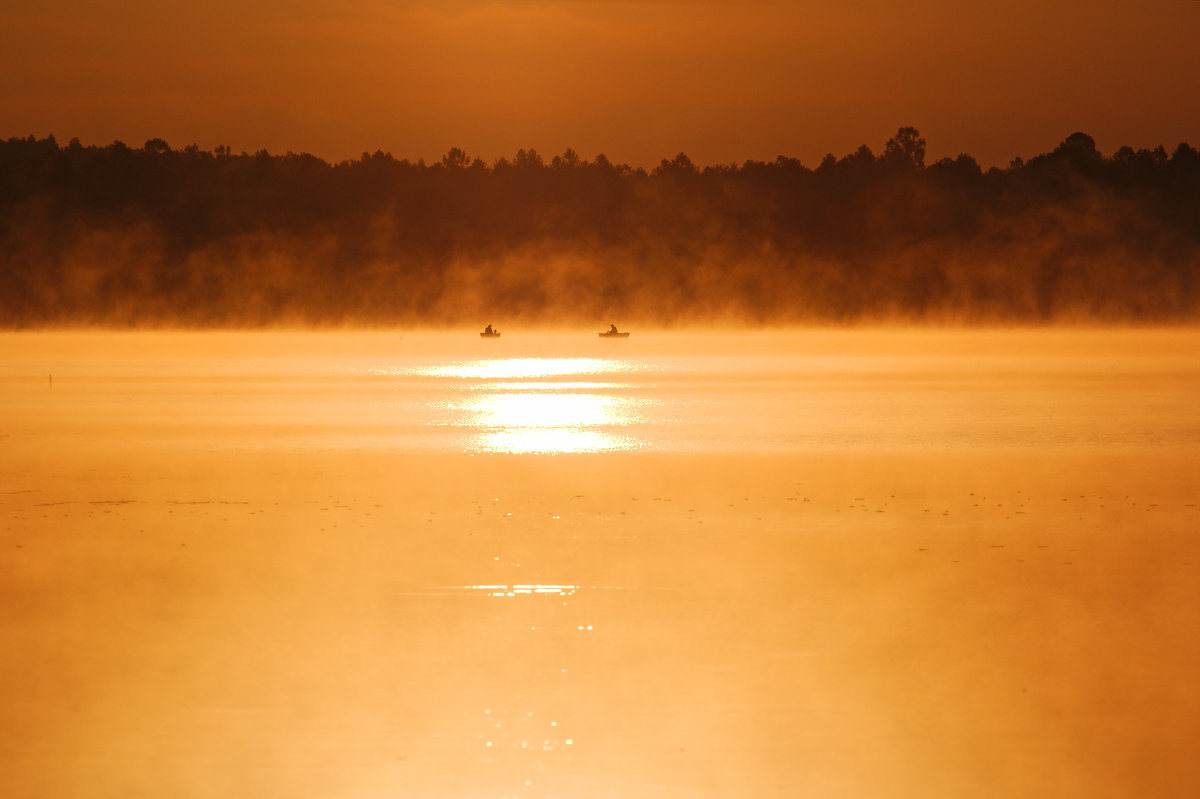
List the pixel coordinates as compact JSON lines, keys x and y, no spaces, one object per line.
{"x":568,"y":393}
{"x":808,"y":563}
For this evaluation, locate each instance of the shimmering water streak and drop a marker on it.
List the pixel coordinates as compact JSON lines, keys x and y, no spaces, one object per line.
{"x":557,"y":422}
{"x":530,"y":411}
{"x":522,"y":589}
{"x":521,"y":422}
{"x":525,"y":441}
{"x":516,"y":410}
{"x":551,"y":386}
{"x":534,"y":405}
{"x":509,"y":368}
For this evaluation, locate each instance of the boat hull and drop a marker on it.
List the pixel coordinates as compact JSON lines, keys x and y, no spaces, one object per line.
{"x":489,"y":335}
{"x":613,"y":335}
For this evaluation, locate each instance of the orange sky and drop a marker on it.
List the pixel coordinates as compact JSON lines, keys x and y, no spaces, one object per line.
{"x":639,"y":81}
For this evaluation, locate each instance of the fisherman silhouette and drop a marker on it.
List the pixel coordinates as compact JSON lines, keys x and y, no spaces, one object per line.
{"x":612,"y":328}
{"x":489,"y":329}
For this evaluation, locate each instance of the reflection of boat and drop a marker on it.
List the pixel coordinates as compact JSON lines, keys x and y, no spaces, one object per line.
{"x":493,"y":334}
{"x":612,"y":334}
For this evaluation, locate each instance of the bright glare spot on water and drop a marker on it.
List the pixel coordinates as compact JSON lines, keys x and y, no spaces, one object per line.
{"x":540,"y":411}
{"x":538,"y":416}
{"x":523,"y":590}
{"x":560,"y":386}
{"x":536,"y":405}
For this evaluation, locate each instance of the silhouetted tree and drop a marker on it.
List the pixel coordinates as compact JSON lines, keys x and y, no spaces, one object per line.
{"x":455,"y":158}
{"x":1078,"y":146}
{"x":528,"y":159}
{"x":906,"y":149}
{"x":678,"y":166}
{"x":569,"y":159}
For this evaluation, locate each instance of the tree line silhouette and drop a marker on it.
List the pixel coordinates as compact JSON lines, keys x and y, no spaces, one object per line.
{"x":120,"y":236}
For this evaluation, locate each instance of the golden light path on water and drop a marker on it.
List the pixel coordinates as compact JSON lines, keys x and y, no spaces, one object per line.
{"x":515,"y":409}
{"x":547,"y":422}
{"x":520,"y":589}
{"x":525,"y":368}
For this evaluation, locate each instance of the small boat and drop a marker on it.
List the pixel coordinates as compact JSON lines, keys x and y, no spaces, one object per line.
{"x":493,"y":334}
{"x":612,"y":334}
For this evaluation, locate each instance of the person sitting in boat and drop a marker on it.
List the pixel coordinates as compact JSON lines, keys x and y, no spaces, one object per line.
{"x":489,"y":330}
{"x":612,"y":329}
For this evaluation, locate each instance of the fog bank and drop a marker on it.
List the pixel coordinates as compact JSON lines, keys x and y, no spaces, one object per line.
{"x":114,"y":236}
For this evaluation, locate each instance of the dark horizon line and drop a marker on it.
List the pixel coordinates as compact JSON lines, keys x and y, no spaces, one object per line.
{"x":160,"y":145}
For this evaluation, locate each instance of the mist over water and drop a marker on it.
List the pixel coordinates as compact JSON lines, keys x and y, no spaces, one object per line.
{"x":154,"y":237}
{"x":707,"y":564}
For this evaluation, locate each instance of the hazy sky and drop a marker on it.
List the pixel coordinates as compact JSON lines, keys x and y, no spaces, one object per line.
{"x":639,"y":81}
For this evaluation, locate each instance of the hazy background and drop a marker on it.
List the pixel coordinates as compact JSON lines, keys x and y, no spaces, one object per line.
{"x":153,"y":235}
{"x":573,"y":162}
{"x":639,"y":81}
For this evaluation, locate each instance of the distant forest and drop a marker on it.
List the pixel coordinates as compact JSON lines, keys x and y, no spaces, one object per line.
{"x":118,"y":236}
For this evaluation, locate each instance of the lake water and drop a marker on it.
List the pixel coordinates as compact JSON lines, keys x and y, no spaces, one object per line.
{"x":815,"y":562}
{"x":568,"y":393}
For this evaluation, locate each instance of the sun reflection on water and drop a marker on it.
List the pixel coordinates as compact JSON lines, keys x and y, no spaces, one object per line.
{"x":540,"y":589}
{"x":509,"y":368}
{"x":539,"y":411}
{"x":521,"y":422}
{"x":516,"y":406}
{"x":550,"y":440}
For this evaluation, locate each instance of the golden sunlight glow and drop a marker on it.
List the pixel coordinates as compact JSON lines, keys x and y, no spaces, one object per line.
{"x":548,"y":422}
{"x":510,"y":368}
{"x":516,"y":405}
{"x":521,"y":441}
{"x":540,"y":411}
{"x":302,"y":563}
{"x":525,"y":590}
